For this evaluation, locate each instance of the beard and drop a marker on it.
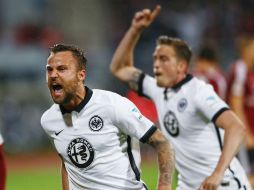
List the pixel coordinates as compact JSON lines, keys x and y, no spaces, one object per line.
{"x":66,"y":94}
{"x":64,"y":99}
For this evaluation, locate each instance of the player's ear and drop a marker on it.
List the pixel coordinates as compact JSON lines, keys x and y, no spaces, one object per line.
{"x":82,"y":75}
{"x":182,"y":66}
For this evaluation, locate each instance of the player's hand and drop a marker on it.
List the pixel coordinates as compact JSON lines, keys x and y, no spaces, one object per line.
{"x":211,"y":183}
{"x":142,"y":19}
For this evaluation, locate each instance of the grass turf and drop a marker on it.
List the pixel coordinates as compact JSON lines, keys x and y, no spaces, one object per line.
{"x":150,"y":175}
{"x":31,"y":179}
{"x":49,"y":179}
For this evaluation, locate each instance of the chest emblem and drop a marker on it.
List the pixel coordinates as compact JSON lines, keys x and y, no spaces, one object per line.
{"x":80,"y":152}
{"x":171,"y":123}
{"x":96,"y":123}
{"x":182,"y":105}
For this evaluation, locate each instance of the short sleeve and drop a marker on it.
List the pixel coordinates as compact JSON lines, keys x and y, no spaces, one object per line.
{"x":46,"y":128}
{"x":208,"y":102}
{"x":129,"y":120}
{"x":43,"y":123}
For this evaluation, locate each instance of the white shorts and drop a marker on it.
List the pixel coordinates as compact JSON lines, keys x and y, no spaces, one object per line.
{"x":234,"y":179}
{"x":233,"y":184}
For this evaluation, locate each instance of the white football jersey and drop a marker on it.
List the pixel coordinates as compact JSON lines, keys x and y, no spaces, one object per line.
{"x":95,"y":141}
{"x":187,"y":113}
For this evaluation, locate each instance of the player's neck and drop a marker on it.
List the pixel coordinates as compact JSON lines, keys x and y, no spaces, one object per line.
{"x":180,"y":77}
{"x":77,"y":99}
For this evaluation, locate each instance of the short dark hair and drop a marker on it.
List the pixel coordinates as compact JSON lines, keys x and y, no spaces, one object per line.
{"x":181,"y":48}
{"x":78,"y":53}
{"x":208,"y":52}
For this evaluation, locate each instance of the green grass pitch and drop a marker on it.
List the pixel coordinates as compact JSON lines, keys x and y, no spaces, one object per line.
{"x":50,"y":179}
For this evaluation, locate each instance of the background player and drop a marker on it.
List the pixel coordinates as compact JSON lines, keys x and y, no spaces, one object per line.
{"x":92,"y":130}
{"x":189,"y":111}
{"x":207,"y":68}
{"x":241,"y":92}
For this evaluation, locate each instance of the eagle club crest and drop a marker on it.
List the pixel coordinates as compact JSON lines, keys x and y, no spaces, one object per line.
{"x":182,"y":105}
{"x":80,"y":152}
{"x":96,"y":123}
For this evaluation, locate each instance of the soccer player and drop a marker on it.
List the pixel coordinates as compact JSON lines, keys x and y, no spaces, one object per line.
{"x":241,"y":92}
{"x":2,"y":166}
{"x":204,"y":132}
{"x":207,"y":68}
{"x":93,"y":130}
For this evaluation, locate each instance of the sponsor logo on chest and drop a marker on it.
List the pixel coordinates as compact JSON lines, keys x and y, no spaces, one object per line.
{"x":170,"y":120}
{"x":80,"y":152}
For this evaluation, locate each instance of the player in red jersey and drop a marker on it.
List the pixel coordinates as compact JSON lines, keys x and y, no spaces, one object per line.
{"x":145,"y":105}
{"x":207,"y":69}
{"x":241,"y":92}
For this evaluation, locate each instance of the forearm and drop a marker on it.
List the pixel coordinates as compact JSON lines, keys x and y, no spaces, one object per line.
{"x":233,"y":138}
{"x":65,"y":183}
{"x":166,"y":160}
{"x":166,"y":168}
{"x":123,"y":56}
{"x":122,"y":66}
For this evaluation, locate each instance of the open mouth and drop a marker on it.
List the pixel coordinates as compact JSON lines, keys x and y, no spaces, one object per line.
{"x":157,"y":74}
{"x":57,"y":89}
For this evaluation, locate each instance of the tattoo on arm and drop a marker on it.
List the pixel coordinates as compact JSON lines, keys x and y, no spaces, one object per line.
{"x":166,"y":157}
{"x":133,"y":83}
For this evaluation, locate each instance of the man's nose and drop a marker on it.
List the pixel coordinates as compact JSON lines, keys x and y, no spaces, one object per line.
{"x":156,"y":64}
{"x":53,"y":74}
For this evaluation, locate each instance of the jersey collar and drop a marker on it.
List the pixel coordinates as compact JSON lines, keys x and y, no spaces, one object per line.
{"x":82,"y":104}
{"x":182,"y":82}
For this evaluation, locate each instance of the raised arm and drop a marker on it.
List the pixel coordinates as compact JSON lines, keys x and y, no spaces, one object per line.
{"x":122,"y":66}
{"x":166,"y":160}
{"x":233,"y":137}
